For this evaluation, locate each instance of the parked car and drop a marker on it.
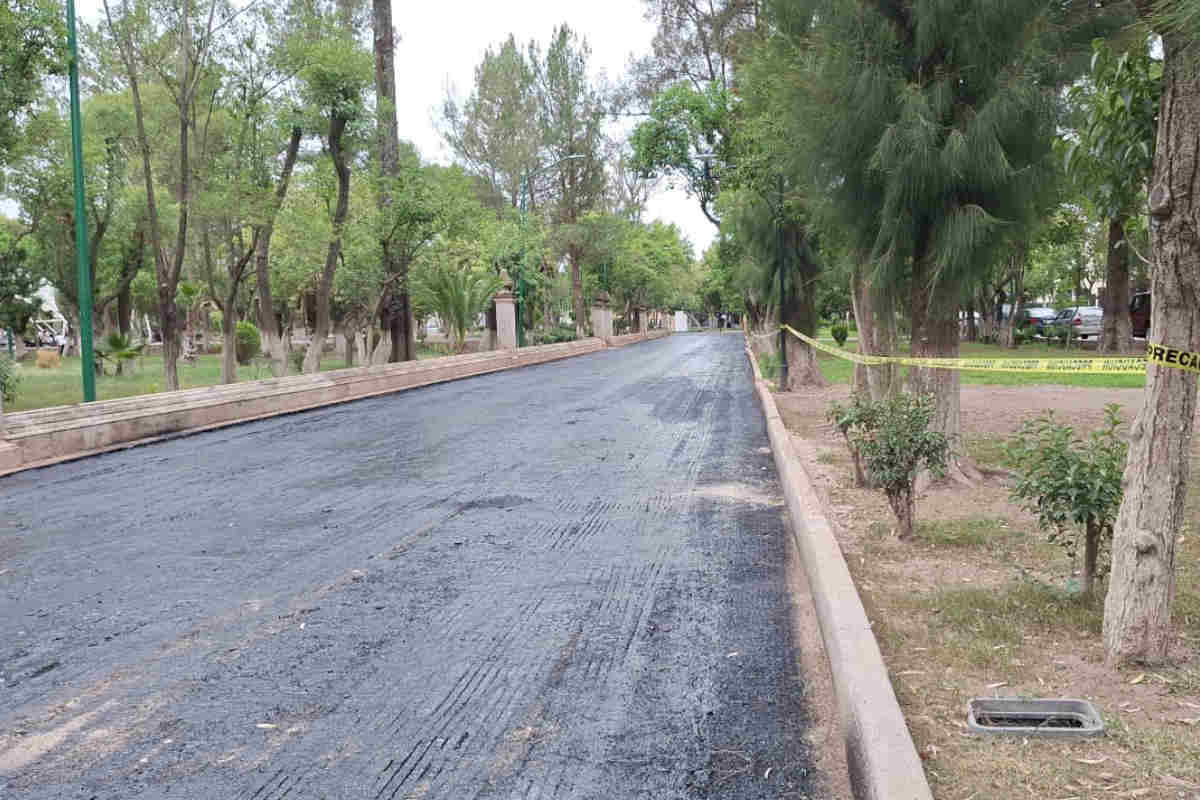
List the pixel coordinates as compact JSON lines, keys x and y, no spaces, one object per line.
{"x":1139,"y":314}
{"x":1085,"y":322}
{"x":1036,"y":319}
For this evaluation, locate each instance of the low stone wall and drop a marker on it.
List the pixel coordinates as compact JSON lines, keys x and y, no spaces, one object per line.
{"x":48,"y":435}
{"x":633,"y":338}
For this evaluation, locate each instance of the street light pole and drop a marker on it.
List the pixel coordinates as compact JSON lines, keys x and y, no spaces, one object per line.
{"x":81,"y":233}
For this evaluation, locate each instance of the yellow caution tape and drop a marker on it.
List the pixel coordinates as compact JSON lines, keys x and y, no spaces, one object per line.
{"x":1172,"y":357}
{"x":1096,"y":366}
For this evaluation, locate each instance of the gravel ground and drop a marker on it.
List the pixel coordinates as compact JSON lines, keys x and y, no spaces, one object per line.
{"x":563,"y":581}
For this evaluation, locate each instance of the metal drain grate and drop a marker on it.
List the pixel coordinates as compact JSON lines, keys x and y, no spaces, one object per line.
{"x":1033,"y":717}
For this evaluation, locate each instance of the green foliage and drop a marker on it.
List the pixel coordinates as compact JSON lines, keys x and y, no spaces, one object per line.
{"x":839,"y":332}
{"x":1073,"y":485}
{"x":457,"y":293}
{"x":1114,"y":152}
{"x":32,"y":45}
{"x":18,"y":286}
{"x":10,"y":379}
{"x":686,"y":123}
{"x":247,"y":341}
{"x":893,"y":439}
{"x":768,"y":365}
{"x":117,"y":349}
{"x":556,"y":335}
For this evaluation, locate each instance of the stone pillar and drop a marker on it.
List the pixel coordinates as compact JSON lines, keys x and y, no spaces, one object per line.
{"x":602,"y":321}
{"x":506,"y":315}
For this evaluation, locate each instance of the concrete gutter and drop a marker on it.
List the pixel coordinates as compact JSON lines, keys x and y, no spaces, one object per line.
{"x":62,"y":433}
{"x":880,"y":755}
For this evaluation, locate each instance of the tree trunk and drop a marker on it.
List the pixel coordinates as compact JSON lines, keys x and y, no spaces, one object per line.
{"x":904,"y":506}
{"x":268,"y":324}
{"x":403,"y":348}
{"x":1117,"y":335}
{"x":935,"y":335}
{"x":400,"y":323}
{"x":229,"y":339}
{"x":972,"y":325}
{"x":1018,"y":295}
{"x":337,"y":127}
{"x":864,"y":320}
{"x":1137,"y":611}
{"x":1091,"y":549}
{"x":383,"y":349}
{"x":578,"y":310}
{"x":799,"y":310}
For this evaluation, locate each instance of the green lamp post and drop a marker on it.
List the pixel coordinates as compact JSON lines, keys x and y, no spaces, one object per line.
{"x":81,"y":232}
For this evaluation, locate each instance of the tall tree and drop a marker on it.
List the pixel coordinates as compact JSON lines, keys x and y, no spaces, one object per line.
{"x":925,"y":120}
{"x":138,"y":39}
{"x":395,"y":265}
{"x":336,"y":72}
{"x":572,"y":111}
{"x":494,"y":131}
{"x":1141,"y":591}
{"x":1112,"y":159}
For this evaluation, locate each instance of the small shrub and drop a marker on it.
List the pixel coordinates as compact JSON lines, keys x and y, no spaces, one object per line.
{"x":858,"y":413}
{"x":895,"y":444}
{"x":1072,"y":485}
{"x":1022,"y":336}
{"x":48,"y":359}
{"x":117,"y":350}
{"x":247,"y":341}
{"x":10,"y":379}
{"x":840,"y":332}
{"x":768,"y":365}
{"x":297,"y":359}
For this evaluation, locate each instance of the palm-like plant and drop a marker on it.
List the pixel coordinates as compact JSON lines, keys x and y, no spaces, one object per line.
{"x":458,"y":295}
{"x":118,"y":349}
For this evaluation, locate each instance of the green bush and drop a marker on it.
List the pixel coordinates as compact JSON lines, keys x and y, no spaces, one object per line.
{"x":859,"y":413}
{"x":768,"y":365}
{"x":297,"y":358}
{"x":556,"y":335}
{"x":247,"y":341}
{"x":1072,"y":485}
{"x":840,"y":332}
{"x":10,"y":378}
{"x":893,"y":439}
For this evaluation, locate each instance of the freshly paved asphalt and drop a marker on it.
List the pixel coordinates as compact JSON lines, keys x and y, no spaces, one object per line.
{"x":563,"y":581}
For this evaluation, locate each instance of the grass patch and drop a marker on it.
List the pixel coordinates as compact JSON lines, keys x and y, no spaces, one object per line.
{"x":984,"y":626}
{"x":969,"y":532}
{"x":62,"y":385}
{"x":989,"y":451}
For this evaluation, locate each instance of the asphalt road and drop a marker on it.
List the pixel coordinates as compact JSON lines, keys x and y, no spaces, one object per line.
{"x":563,"y":581}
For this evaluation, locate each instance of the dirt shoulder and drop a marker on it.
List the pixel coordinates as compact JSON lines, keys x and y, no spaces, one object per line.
{"x":978,"y":606}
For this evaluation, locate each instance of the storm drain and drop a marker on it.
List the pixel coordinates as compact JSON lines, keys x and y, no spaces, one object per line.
{"x":1032,"y":717}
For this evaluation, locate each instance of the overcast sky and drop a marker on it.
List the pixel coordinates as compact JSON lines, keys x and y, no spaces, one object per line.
{"x":441,"y":42}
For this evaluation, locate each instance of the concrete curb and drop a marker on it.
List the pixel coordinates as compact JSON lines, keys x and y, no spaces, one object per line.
{"x":880,"y":755}
{"x":65,"y":433}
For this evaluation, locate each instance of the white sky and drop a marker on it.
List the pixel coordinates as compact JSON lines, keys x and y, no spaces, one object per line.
{"x":441,"y":42}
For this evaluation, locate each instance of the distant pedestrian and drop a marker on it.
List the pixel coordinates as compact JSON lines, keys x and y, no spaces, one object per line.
{"x":61,"y":340}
